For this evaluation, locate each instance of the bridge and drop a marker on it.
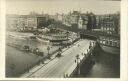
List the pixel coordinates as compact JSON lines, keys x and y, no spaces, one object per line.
{"x":66,"y":65}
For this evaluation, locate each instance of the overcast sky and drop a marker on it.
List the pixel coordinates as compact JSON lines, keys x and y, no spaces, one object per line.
{"x":61,"y":6}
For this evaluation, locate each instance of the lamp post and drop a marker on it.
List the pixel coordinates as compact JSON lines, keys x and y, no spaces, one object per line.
{"x":77,"y":61}
{"x":67,"y":34}
{"x":90,"y":45}
{"x":48,"y":48}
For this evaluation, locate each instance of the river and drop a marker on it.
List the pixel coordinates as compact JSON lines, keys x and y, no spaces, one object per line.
{"x":106,"y":66}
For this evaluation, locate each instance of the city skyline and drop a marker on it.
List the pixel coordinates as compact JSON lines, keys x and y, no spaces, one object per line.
{"x":61,"y":6}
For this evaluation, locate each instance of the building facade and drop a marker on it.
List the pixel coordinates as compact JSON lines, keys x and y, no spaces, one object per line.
{"x":25,"y":22}
{"x":110,"y":41}
{"x":78,"y":19}
{"x":109,"y":23}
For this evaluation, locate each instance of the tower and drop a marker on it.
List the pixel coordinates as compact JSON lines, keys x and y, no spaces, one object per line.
{"x":80,"y":23}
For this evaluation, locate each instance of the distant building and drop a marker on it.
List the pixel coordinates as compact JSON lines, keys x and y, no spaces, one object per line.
{"x":83,"y":21}
{"x":97,"y":21}
{"x":70,"y":18}
{"x":91,"y":21}
{"x":58,"y":17}
{"x":80,"y":23}
{"x":110,"y":41}
{"x":32,"y":22}
{"x":11,"y":21}
{"x":41,"y":22}
{"x":74,"y":16}
{"x":78,"y":20}
{"x":110,"y":23}
{"x":25,"y":22}
{"x":117,"y":23}
{"x":87,"y":21}
{"x":66,"y":19}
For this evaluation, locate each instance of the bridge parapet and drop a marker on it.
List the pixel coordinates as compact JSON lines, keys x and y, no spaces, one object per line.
{"x":82,"y":58}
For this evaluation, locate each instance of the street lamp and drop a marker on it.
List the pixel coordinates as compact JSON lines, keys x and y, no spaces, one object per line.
{"x":90,"y":45}
{"x":48,"y":48}
{"x":67,"y":34}
{"x":77,"y":61}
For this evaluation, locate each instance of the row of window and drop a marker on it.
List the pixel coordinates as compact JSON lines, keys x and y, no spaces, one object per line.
{"x":108,"y":28}
{"x":110,"y":43}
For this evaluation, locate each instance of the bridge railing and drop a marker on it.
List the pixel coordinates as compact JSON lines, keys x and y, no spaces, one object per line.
{"x":83,"y":57}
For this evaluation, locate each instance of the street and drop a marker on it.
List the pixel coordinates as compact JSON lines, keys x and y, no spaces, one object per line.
{"x":59,"y":66}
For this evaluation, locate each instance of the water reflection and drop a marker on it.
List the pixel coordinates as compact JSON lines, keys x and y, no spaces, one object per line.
{"x":106,"y":66}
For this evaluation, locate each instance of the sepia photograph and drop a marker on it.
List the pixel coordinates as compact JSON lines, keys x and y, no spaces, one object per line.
{"x":62,"y":39}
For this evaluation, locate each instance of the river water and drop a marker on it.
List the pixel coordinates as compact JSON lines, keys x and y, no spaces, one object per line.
{"x":106,"y":66}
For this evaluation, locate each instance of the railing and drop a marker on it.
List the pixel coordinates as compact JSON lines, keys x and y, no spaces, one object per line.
{"x":83,"y":59}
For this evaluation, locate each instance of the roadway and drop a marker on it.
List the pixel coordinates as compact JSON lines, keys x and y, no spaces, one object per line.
{"x":59,"y":66}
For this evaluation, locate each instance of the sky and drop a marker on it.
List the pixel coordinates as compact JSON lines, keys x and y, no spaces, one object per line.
{"x":62,"y":6}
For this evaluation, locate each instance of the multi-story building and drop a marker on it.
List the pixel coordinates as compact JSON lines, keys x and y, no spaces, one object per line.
{"x":110,"y":41}
{"x":91,"y":21}
{"x":117,"y":23}
{"x":74,"y":16}
{"x":76,"y":19}
{"x":83,"y":21}
{"x":11,"y":21}
{"x":80,"y":23}
{"x":25,"y":22}
{"x":110,"y":23}
{"x":98,"y":21}
{"x":58,"y":17}
{"x":66,"y":20}
{"x":87,"y":21}
{"x":31,"y":22}
{"x":41,"y":21}
{"x":71,"y":18}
